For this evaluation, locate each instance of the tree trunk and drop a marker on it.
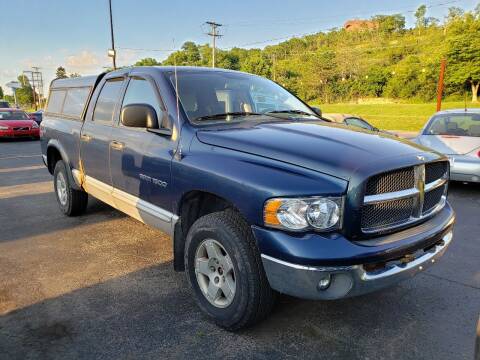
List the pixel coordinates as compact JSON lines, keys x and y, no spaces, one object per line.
{"x":475,"y":92}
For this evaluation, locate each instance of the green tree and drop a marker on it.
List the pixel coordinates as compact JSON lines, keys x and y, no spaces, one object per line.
{"x":1,"y":93}
{"x":25,"y":93}
{"x":420,"y":16}
{"x":61,"y":73}
{"x":476,"y":11}
{"x":390,"y":23}
{"x":463,"y":61}
{"x":454,"y":13}
{"x":147,"y":62}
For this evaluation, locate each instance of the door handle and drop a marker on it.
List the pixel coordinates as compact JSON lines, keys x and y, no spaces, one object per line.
{"x":117,"y":145}
{"x":85,"y":137}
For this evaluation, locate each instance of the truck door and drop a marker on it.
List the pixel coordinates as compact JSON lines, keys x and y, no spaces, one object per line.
{"x":95,"y":139}
{"x":140,"y":161}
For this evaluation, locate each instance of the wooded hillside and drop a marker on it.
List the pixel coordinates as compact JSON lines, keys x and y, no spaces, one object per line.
{"x":389,"y":61}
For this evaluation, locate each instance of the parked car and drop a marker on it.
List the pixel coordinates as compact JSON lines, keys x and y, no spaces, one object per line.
{"x":16,"y":123}
{"x":37,"y":116}
{"x":456,"y":133}
{"x":4,"y":104}
{"x":356,"y":121}
{"x":257,"y":202}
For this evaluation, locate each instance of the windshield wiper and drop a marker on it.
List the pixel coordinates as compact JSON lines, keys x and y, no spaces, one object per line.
{"x":222,"y":115}
{"x":297,"y":112}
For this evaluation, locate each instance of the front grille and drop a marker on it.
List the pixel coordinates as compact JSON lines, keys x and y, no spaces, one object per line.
{"x":432,"y":198}
{"x":394,"y":198}
{"x":391,"y":181}
{"x":435,"y":171}
{"x":21,"y":128}
{"x":387,"y":213}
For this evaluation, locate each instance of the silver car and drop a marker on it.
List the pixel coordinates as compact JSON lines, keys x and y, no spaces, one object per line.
{"x":456,"y":133}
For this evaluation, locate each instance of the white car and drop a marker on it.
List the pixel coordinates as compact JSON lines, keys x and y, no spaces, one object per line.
{"x":456,"y":133}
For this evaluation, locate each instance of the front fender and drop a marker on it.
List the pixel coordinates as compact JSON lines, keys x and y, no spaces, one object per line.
{"x":246,"y":180}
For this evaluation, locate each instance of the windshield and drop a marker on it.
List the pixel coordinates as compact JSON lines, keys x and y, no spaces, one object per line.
{"x":13,"y":115}
{"x":223,"y":96}
{"x":455,"y":124}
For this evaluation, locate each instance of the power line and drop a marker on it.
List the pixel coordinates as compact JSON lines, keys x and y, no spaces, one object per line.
{"x":214,"y":34}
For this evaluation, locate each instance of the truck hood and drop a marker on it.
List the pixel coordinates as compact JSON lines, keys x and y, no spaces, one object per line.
{"x":328,"y":148}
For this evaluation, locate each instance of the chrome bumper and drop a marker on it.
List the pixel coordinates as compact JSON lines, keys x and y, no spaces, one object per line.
{"x":309,"y":282}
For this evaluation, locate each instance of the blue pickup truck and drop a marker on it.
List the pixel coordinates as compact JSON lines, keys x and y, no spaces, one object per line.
{"x":259,"y":193}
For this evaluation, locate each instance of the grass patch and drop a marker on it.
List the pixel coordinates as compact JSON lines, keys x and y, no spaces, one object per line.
{"x":394,"y":116}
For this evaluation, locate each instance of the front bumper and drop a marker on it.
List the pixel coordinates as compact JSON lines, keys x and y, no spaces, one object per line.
{"x":19,"y":133}
{"x":464,"y":168}
{"x":373,"y":264}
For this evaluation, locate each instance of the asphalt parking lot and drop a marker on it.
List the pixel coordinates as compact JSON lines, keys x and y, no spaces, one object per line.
{"x":102,"y":286}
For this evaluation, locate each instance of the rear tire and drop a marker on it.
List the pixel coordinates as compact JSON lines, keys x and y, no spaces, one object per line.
{"x":71,"y":202}
{"x":237,"y":258}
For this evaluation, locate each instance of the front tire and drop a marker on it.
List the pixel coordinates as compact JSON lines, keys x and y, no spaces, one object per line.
{"x":225,"y":271}
{"x":71,"y":202}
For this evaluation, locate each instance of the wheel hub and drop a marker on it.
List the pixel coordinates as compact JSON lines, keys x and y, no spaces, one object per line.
{"x":215,"y":273}
{"x":61,"y":189}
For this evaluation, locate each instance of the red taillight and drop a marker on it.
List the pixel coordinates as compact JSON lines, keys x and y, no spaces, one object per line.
{"x":478,"y":154}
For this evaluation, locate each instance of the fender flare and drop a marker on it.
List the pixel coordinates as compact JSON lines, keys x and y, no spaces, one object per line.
{"x":53,"y":143}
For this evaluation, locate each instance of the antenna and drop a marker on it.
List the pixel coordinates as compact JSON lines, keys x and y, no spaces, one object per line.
{"x":176,"y":82}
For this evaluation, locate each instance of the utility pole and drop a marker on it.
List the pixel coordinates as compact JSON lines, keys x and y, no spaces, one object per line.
{"x":214,"y":34}
{"x":112,"y":52}
{"x":36,"y":81}
{"x":440,"y":84}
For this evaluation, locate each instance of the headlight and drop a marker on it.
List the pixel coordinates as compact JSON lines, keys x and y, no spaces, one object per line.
{"x":3,"y":127}
{"x":317,"y":213}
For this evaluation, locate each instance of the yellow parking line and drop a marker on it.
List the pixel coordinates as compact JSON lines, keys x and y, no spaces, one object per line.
{"x":7,"y":192}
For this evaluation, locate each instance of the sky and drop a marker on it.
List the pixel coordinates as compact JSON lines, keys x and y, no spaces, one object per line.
{"x":76,"y":34}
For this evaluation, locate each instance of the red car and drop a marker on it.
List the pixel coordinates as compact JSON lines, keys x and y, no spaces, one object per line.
{"x":16,"y":123}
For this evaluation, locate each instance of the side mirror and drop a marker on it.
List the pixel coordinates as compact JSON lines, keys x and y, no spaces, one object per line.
{"x":317,"y":110}
{"x":139,"y":116}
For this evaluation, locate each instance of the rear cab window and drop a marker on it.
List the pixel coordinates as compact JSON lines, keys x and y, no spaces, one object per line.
{"x":75,"y":101}
{"x":55,"y":101}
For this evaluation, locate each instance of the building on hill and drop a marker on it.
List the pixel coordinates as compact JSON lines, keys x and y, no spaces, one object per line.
{"x":360,"y":25}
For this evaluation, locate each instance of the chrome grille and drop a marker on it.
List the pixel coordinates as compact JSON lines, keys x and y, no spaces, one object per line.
{"x":435,"y":171}
{"x":403,"y":196}
{"x":386,"y":213}
{"x":432,"y":198}
{"x":21,"y":128}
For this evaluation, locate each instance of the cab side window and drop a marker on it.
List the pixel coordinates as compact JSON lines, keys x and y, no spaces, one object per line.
{"x":141,"y":91}
{"x":107,"y":100}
